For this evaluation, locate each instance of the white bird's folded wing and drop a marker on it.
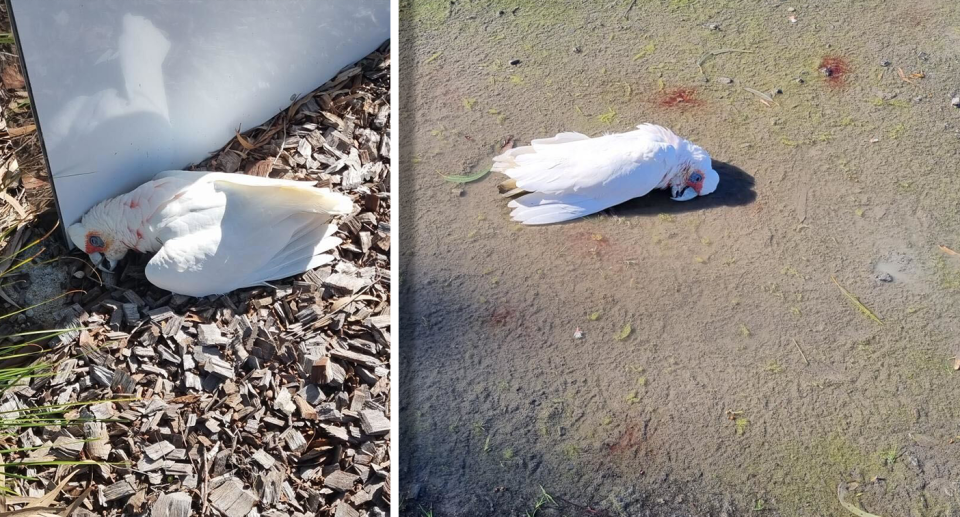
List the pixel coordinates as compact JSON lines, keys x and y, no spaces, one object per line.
{"x":228,"y":231}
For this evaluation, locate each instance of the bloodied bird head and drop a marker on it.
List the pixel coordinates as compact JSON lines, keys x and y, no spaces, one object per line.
{"x":696,"y":176}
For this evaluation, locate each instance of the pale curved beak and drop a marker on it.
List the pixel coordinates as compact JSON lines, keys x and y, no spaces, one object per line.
{"x":685,"y":195}
{"x":98,"y":261}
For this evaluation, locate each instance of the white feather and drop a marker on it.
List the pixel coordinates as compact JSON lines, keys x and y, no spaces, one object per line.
{"x":571,"y":175}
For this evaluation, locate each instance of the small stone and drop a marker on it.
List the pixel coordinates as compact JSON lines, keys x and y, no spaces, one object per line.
{"x":918,"y":98}
{"x":714,"y":26}
{"x":514,"y":62}
{"x":884,"y":63}
{"x":884,"y":277}
{"x":577,"y":50}
{"x":459,"y":192}
{"x":923,"y":56}
{"x":955,"y":101}
{"x":791,"y":9}
{"x":793,"y":19}
{"x":724,"y":80}
{"x":799,"y":80}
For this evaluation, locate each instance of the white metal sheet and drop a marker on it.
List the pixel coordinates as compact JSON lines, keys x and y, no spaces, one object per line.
{"x":125,"y":89}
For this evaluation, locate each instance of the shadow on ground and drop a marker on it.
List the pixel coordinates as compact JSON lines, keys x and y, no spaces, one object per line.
{"x":735,"y":189}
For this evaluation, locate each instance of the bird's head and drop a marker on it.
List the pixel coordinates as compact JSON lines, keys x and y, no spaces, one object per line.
{"x":98,"y":241}
{"x":696,"y":178}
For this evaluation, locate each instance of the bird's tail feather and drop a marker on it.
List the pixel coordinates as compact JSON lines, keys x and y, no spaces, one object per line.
{"x":538,"y":208}
{"x":508,"y":159}
{"x":305,"y":250}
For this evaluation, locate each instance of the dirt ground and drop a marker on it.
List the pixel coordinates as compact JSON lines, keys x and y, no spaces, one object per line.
{"x":748,"y":382}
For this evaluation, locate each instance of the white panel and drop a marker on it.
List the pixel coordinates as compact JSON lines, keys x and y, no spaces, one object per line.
{"x":125,"y":89}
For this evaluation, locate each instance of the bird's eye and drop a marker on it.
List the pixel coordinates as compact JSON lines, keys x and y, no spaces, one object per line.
{"x":696,"y":177}
{"x":96,"y":241}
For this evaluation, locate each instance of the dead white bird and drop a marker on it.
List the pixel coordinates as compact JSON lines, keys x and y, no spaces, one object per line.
{"x":214,"y":232}
{"x":572,"y":175}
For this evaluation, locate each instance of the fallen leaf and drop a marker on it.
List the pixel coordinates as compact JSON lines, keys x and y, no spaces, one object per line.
{"x":956,"y":363}
{"x":12,"y":79}
{"x":465,"y":178}
{"x":14,"y":203}
{"x":20,"y":131}
{"x":625,"y":332}
{"x":50,"y":497}
{"x":340,"y":303}
{"x":243,"y":141}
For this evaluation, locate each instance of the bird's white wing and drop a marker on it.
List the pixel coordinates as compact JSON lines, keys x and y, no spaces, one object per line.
{"x":584,"y":165}
{"x":222,"y":235}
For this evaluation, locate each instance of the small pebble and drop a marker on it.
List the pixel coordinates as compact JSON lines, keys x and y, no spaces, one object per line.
{"x":459,"y":192}
{"x":884,"y":63}
{"x":955,"y":101}
{"x":918,"y":98}
{"x":874,"y":140}
{"x":791,"y":9}
{"x":884,"y":277}
{"x":778,"y":91}
{"x":793,"y":19}
{"x":577,"y":50}
{"x":78,"y":274}
{"x":923,"y":56}
{"x":514,"y":62}
{"x":724,"y":80}
{"x":714,"y":26}
{"x":799,"y":80}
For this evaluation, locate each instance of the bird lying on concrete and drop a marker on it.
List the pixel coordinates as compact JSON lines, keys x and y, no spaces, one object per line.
{"x":572,"y":175}
{"x":214,"y":232}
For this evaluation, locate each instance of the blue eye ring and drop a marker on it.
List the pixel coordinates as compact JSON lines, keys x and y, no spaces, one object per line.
{"x":696,"y":177}
{"x":96,"y":241}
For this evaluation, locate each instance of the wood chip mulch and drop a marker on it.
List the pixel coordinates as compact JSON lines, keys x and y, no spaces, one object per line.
{"x":267,"y":401}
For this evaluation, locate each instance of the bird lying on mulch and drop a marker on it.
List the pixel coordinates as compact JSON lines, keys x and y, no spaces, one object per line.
{"x":215,"y":232}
